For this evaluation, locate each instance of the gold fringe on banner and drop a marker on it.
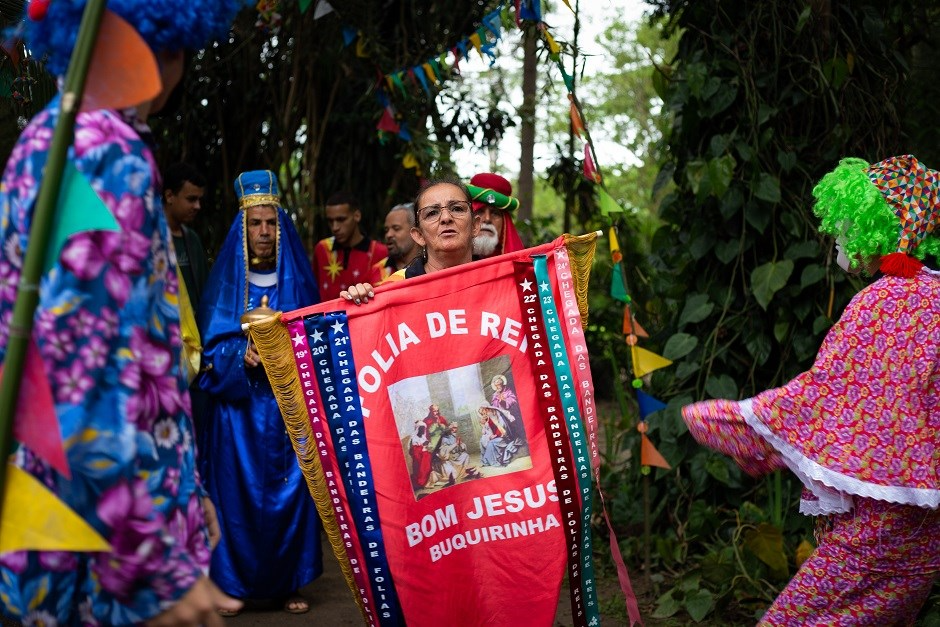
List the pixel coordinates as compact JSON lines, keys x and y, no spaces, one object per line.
{"x":581,"y":250}
{"x":271,"y":339}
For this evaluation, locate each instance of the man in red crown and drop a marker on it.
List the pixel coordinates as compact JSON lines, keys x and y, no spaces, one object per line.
{"x":493,"y":202}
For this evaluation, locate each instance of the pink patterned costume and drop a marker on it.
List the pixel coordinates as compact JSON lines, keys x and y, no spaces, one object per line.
{"x":861,"y":429}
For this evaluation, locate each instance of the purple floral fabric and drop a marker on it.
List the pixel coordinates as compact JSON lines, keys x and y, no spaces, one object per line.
{"x":107,"y":329}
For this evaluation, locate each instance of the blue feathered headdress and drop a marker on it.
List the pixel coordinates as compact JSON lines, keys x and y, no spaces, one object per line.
{"x":170,"y":25}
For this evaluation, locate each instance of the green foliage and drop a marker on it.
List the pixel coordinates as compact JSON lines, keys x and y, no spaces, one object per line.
{"x":760,"y":100}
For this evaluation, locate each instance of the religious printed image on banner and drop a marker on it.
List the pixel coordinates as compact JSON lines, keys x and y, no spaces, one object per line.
{"x":452,"y":433}
{"x":448,"y":435}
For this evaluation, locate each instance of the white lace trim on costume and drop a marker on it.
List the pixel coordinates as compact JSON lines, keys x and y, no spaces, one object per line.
{"x":833,"y":489}
{"x":262,"y":279}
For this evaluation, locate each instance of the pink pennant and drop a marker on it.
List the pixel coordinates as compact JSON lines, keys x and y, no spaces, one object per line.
{"x":388,"y":123}
{"x":590,"y":170}
{"x":35,"y":423}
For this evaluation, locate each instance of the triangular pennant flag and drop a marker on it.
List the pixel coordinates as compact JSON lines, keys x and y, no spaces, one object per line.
{"x":614,"y":245}
{"x":361,"y":47}
{"x":645,"y":362}
{"x":648,"y":404}
{"x":591,"y":174}
{"x":34,"y":519}
{"x":630,"y":325}
{"x":387,"y":122}
{"x":569,"y":82}
{"x":456,"y":54}
{"x":568,"y":4}
{"x":429,"y":72}
{"x":604,"y":200}
{"x":35,"y":423}
{"x":649,"y":456}
{"x":554,"y":50}
{"x":418,"y":73}
{"x":396,"y":80}
{"x":323,"y":8}
{"x":78,"y":209}
{"x":123,"y":71}
{"x":403,"y":131}
{"x":617,"y":290}
{"x":475,"y":40}
{"x":577,"y":126}
{"x":349,"y":35}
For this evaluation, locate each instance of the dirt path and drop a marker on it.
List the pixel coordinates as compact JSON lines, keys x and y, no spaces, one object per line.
{"x":332,"y":604}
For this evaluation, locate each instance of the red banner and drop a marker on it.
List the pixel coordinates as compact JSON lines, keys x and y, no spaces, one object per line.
{"x":476,"y":527}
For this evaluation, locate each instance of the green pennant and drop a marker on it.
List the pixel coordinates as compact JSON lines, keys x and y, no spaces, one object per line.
{"x":304,"y":5}
{"x":396,"y":80}
{"x":617,"y":290}
{"x":78,"y":209}
{"x":606,"y":203}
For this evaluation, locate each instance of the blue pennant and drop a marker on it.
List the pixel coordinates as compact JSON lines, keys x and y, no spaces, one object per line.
{"x":648,"y":404}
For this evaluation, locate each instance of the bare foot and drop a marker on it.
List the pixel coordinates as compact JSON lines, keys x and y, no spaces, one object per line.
{"x":296,"y":604}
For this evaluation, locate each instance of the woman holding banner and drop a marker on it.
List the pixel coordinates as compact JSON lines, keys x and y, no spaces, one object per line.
{"x":444,"y":228}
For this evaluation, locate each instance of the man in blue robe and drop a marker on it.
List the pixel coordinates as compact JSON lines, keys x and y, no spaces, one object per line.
{"x":270,"y":530}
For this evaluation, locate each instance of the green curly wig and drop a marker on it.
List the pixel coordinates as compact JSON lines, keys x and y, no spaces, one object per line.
{"x":854,"y":211}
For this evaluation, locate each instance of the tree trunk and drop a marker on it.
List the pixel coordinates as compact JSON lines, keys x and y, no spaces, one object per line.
{"x":525,"y":191}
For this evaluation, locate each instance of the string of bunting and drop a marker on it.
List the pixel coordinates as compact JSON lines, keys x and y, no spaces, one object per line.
{"x":429,"y":76}
{"x":643,"y":361}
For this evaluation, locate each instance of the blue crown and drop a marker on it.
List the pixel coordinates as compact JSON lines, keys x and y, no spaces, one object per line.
{"x":258,"y":187}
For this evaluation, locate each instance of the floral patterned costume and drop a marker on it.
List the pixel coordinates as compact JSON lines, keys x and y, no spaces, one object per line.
{"x":861,"y":429}
{"x":107,"y":328}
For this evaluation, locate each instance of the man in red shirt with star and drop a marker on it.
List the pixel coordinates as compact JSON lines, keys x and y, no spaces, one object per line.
{"x":349,"y":256}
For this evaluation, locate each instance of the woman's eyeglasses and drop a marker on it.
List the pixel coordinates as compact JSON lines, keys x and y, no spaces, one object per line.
{"x":456,"y":208}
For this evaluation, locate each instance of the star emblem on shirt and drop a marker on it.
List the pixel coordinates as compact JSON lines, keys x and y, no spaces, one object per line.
{"x":334,"y":267}
{"x":317,"y":336}
{"x":526,"y":285}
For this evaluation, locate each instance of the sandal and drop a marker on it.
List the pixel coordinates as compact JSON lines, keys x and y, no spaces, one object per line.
{"x":228,"y":613}
{"x":296,"y":604}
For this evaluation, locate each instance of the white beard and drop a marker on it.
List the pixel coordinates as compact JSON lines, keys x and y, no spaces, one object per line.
{"x":486,"y":242}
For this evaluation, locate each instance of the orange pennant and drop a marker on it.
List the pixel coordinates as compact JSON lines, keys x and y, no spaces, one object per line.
{"x":631,"y":326}
{"x":577,"y":126}
{"x":123,"y":71}
{"x":649,"y":456}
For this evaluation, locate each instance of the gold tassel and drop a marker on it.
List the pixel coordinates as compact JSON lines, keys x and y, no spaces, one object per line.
{"x":581,"y":250}
{"x":271,"y":339}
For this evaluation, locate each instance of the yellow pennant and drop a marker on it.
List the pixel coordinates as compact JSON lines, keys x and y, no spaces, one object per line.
{"x":553,"y":47}
{"x":429,"y":72}
{"x":645,"y":362}
{"x":475,"y":40}
{"x":361,"y":47}
{"x":34,"y":519}
{"x":568,"y":4}
{"x":614,"y":244}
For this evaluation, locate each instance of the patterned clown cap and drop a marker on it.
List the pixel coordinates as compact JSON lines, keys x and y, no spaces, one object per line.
{"x":885,"y":210}
{"x":257,"y":187}
{"x":911,"y":190}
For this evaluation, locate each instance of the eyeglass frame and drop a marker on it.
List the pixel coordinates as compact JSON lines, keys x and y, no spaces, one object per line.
{"x":450,"y":206}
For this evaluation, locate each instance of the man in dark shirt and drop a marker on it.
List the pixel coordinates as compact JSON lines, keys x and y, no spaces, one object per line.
{"x":183,"y":188}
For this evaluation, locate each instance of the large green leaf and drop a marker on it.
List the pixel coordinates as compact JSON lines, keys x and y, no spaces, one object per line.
{"x":679,"y":345}
{"x":722,"y":386}
{"x":768,"y":279}
{"x":766,"y":543}
{"x":697,"y":308}
{"x":767,"y":187}
{"x":699,"y":603}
